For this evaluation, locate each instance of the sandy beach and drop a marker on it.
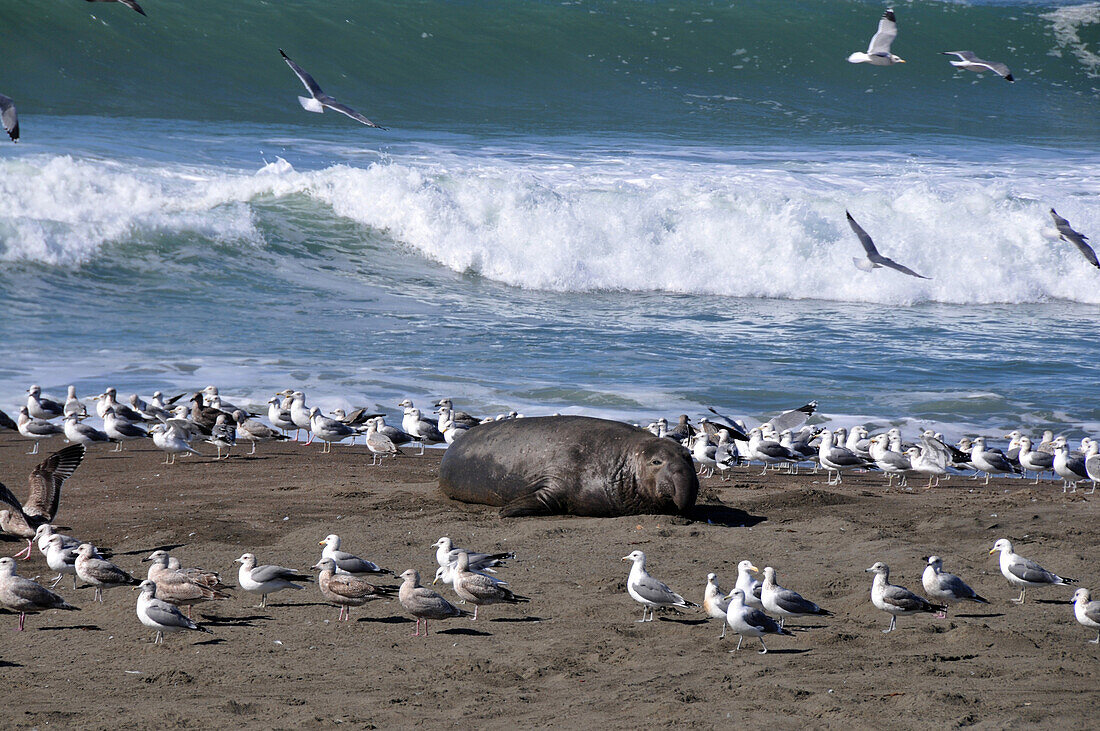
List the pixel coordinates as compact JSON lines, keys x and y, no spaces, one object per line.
{"x":574,"y":655}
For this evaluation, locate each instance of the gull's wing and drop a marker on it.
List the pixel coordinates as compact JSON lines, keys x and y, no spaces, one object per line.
{"x":132,"y":5}
{"x":964,"y":56}
{"x":902,"y":598}
{"x":1028,"y":570}
{"x":336,"y":106}
{"x":1077,"y":239}
{"x":864,"y":238}
{"x":307,"y":80}
{"x":794,"y":418}
{"x":47,"y":478}
{"x":888,"y":262}
{"x":7,"y":497}
{"x":998,"y":68}
{"x":887,"y":32}
{"x":656,"y":591}
{"x":9,"y":117}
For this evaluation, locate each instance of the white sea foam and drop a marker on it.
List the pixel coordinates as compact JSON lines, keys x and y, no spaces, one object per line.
{"x":761,"y":226}
{"x":1066,"y":22}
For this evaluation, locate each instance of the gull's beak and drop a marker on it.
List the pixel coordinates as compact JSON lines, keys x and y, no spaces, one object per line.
{"x":901,"y":60}
{"x":992,"y":550}
{"x":317,"y":567}
{"x":754,"y":569}
{"x":147,"y":558}
{"x":867,"y":571}
{"x":730,"y":595}
{"x":435,"y":580}
{"x":625,"y":558}
{"x":320,"y":543}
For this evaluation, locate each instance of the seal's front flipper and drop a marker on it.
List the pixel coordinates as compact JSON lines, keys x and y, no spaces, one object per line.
{"x":539,"y":502}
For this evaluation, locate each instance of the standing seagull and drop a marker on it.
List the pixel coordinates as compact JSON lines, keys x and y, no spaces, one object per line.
{"x":946,"y":588}
{"x":878,"y":52}
{"x":1075,"y":238}
{"x":649,"y":592}
{"x":1023,"y":572}
{"x":874,"y":259}
{"x":896,"y":599}
{"x":265,"y":579}
{"x":318,"y":99}
{"x":423,"y":603}
{"x":9,"y":117}
{"x":98,"y":572}
{"x":785,"y":603}
{"x":160,"y":615}
{"x":45,"y":494}
{"x":132,"y":4}
{"x":970,"y":62}
{"x":1086,"y":611}
{"x":748,"y":621}
{"x":24,"y":595}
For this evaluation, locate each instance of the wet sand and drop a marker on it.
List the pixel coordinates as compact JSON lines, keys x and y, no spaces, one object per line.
{"x":574,"y":656}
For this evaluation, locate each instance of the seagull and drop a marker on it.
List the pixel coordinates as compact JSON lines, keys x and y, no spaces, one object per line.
{"x":970,"y":62}
{"x":160,"y":615}
{"x":896,"y":600}
{"x":1077,"y":239}
{"x":345,"y":590}
{"x":420,"y":429}
{"x":252,"y":430}
{"x":784,"y":602}
{"x":1087,"y":611}
{"x":461,"y":418}
{"x":1024,"y":572}
{"x":41,"y":407}
{"x":878,"y":52}
{"x":171,"y":438}
{"x":835,"y":459}
{"x":378,"y":443}
{"x":874,"y":259}
{"x":176,"y":587}
{"x":1070,"y":467}
{"x":749,"y":584}
{"x":121,"y":430}
{"x":444,"y":548}
{"x":423,"y":603}
{"x":646,"y":590}
{"x":478,"y":589}
{"x":223,"y":434}
{"x":318,"y":99}
{"x":990,"y":461}
{"x":45,"y":483}
{"x":23,"y":595}
{"x":748,"y":621}
{"x":265,"y":579}
{"x":1092,"y":469}
{"x":946,"y":588}
{"x":345,"y":562}
{"x":36,"y":428}
{"x":85,"y":434}
{"x":329,"y":430}
{"x":9,"y":117}
{"x":60,"y":558}
{"x":132,"y":4}
{"x":278,"y":416}
{"x":99,"y":572}
{"x":74,"y":406}
{"x":715,"y":603}
{"x":1034,"y":460}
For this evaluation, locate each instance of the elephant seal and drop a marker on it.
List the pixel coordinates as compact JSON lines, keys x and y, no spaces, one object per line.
{"x":574,"y":465}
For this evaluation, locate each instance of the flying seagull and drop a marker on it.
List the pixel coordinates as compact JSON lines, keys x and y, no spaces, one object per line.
{"x":132,"y":4}
{"x":967,"y":60}
{"x":1067,"y":233}
{"x":318,"y":99}
{"x":874,"y":259}
{"x":9,"y":117}
{"x":878,"y":52}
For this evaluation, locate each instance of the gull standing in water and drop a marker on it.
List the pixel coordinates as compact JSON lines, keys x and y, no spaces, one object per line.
{"x":878,"y":51}
{"x":649,"y":592}
{"x":896,"y":600}
{"x":969,"y":61}
{"x":318,"y":99}
{"x":1066,"y":232}
{"x":748,"y":621}
{"x":875,"y":260}
{"x":1087,"y":612}
{"x":945,"y":588}
{"x":23,"y":595}
{"x":1023,"y":572}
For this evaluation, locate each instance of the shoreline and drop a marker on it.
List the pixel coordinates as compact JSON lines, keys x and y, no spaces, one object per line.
{"x":575,"y":653}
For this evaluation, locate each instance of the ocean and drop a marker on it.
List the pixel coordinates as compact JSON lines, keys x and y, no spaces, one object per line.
{"x":623,"y":209}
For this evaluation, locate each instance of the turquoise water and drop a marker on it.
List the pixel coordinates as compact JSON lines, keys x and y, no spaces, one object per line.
{"x":624,"y":209}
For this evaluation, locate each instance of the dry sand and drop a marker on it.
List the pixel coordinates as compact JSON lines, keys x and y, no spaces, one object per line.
{"x":574,"y":656}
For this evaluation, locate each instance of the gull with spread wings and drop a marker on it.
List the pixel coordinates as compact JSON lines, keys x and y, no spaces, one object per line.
{"x":318,"y":99}
{"x":874,"y":259}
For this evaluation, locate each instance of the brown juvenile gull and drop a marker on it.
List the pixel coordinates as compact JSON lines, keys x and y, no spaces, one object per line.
{"x":1023,"y":572}
{"x":160,"y":615}
{"x":379,"y":444}
{"x":100,"y":573}
{"x":785,"y":603}
{"x":945,"y":588}
{"x":175,"y":587}
{"x":1087,"y":612}
{"x":346,"y":590}
{"x":425,"y":604}
{"x":26,"y":596}
{"x":648,"y":591}
{"x":896,"y":599}
{"x":748,"y":621}
{"x":478,"y":589}
{"x":347,"y":563}
{"x":264,"y":580}
{"x":44,"y":498}
{"x":210,"y":579}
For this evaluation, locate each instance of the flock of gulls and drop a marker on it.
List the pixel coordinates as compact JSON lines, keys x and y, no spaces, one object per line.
{"x":752,"y":608}
{"x":878,"y":54}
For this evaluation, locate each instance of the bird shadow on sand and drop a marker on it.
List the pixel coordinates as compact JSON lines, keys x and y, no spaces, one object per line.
{"x":979,"y":616}
{"x":465,"y":631}
{"x":214,"y":620}
{"x":385,"y":620}
{"x":86,"y":627}
{"x":6,"y":664}
{"x":801,"y":627}
{"x":677,"y":620}
{"x":724,"y":515}
{"x":298,"y":604}
{"x":518,"y":619}
{"x":790,"y":651}
{"x":1050,"y":601}
{"x":147,"y":551}
{"x":215,"y":641}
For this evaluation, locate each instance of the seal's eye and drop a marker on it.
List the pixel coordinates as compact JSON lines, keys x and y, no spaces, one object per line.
{"x":657,"y":461}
